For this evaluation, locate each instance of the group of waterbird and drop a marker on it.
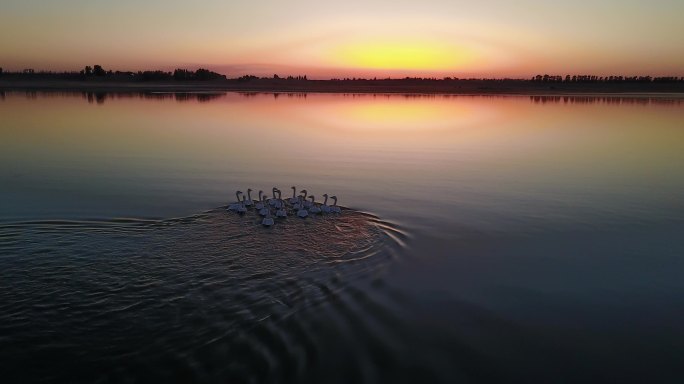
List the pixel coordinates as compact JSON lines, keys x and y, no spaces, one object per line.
{"x":301,"y":205}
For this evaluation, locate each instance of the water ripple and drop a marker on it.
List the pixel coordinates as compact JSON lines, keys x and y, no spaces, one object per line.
{"x":212,"y":296}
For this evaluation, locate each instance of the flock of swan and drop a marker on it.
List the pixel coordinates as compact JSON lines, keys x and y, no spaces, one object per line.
{"x":301,"y":205}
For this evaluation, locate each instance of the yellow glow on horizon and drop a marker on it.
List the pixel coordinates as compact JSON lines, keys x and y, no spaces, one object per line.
{"x":427,"y":56}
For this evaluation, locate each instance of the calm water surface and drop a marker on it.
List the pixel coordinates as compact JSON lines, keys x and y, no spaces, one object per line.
{"x":484,"y":239}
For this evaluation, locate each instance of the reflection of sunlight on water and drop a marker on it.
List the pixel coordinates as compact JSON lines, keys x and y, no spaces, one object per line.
{"x":404,"y":115}
{"x":382,"y":113}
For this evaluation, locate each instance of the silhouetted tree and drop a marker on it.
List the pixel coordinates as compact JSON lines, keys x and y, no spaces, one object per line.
{"x":181,"y":74}
{"x":99,"y":71}
{"x":153,"y":75}
{"x":205,"y":74}
{"x":201,"y":74}
{"x":247,"y":78}
{"x":88,"y":70}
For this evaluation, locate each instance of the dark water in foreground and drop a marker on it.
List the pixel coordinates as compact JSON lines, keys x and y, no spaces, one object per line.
{"x":487,"y":239}
{"x":208,"y":297}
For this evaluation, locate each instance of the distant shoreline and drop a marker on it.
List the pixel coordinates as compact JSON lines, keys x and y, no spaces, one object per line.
{"x":399,"y":86}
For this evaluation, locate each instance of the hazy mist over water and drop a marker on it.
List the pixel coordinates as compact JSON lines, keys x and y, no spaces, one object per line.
{"x":488,"y":238}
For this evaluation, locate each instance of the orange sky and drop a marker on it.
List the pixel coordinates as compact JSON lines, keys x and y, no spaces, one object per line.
{"x":352,"y":38}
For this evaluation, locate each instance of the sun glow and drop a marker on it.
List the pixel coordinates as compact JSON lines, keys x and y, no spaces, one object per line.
{"x":425,"y":56}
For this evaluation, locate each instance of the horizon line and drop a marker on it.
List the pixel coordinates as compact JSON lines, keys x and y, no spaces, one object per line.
{"x":547,"y":76}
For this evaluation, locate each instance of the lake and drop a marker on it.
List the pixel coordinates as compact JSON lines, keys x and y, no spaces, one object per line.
{"x":482,"y":238}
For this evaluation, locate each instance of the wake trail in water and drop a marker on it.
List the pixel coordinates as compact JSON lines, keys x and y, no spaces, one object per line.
{"x":209,"y":296}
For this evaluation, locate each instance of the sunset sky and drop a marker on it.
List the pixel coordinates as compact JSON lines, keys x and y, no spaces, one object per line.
{"x":325,"y":39}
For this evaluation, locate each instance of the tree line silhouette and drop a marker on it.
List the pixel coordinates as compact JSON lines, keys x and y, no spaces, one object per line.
{"x":605,"y":79}
{"x":97,"y":72}
{"x":275,"y":77}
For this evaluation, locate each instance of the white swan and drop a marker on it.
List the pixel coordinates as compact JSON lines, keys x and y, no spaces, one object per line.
{"x":314,"y":209}
{"x":334,"y":208}
{"x":293,"y":199}
{"x":302,"y":212}
{"x":265,"y":210}
{"x":268,"y":220}
{"x":260,"y":204}
{"x":282,"y":212}
{"x":235,"y":206}
{"x":249,"y":202}
{"x":272,"y":201}
{"x":279,"y":203}
{"x":325,"y":208}
{"x":242,"y":209}
{"x":306,"y":203}
{"x":298,"y":205}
